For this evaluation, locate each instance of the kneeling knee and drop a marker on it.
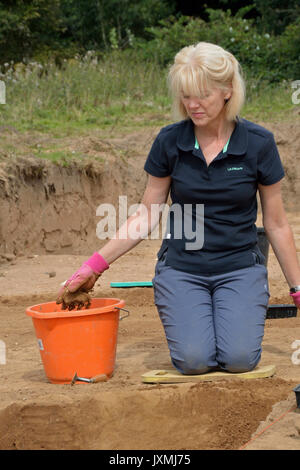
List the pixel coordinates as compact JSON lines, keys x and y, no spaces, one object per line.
{"x":241,"y":363}
{"x":191,"y":364}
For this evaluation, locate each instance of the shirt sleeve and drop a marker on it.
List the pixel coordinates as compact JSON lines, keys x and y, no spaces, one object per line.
{"x":270,"y":169}
{"x":157,"y":163}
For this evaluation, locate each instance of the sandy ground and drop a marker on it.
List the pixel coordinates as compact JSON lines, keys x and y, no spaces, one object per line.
{"x":125,"y":413}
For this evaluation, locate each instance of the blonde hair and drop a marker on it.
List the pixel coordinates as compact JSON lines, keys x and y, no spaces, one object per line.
{"x":201,"y":67}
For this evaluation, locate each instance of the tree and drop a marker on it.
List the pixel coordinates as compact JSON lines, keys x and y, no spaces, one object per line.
{"x":276,"y":15}
{"x":25,"y":26}
{"x":90,"y":23}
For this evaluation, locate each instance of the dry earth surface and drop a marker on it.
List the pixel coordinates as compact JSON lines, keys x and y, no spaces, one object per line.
{"x":124,"y":413}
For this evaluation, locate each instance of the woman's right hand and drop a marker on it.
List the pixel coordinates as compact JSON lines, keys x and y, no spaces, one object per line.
{"x":74,"y":292}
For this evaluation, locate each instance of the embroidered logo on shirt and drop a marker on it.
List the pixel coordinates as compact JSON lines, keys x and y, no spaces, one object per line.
{"x":235,"y":168}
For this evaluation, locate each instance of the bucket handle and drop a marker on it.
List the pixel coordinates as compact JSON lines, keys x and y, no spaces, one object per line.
{"x":124,"y":316}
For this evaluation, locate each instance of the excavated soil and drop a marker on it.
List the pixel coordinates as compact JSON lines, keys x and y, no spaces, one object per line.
{"x":125,"y":413}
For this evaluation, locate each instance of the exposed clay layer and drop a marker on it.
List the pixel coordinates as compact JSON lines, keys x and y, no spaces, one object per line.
{"x":202,"y":416}
{"x":123,"y":413}
{"x":47,"y":208}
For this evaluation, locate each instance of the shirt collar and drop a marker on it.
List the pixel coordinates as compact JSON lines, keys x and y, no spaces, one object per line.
{"x":237,"y":145}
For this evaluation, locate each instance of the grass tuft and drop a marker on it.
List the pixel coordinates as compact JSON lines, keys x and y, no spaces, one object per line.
{"x":110,"y":93}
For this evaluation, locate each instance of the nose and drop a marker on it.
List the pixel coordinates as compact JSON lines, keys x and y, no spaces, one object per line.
{"x":193,"y":103}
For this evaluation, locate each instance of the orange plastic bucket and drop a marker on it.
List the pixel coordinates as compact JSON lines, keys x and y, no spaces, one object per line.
{"x":82,"y":341}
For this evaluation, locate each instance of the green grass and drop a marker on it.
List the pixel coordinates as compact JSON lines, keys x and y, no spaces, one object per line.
{"x":117,"y":93}
{"x":269,"y":102}
{"x":83,"y":94}
{"x":58,"y":156}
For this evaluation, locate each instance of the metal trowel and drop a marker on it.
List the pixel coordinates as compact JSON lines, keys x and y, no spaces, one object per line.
{"x":92,"y":380}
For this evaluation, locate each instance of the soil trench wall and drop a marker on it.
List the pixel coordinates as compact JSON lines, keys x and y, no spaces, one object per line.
{"x":47,"y":208}
{"x":51,"y":208}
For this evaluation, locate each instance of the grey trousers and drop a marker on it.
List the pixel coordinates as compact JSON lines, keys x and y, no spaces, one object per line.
{"x":212,"y":322}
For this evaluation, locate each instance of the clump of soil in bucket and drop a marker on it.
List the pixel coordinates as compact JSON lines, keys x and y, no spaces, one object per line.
{"x":72,"y":300}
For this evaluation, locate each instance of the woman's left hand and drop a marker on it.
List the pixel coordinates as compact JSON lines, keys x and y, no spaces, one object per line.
{"x":296,"y":299}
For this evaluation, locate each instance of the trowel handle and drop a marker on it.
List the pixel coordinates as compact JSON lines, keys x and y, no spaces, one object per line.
{"x":99,"y":378}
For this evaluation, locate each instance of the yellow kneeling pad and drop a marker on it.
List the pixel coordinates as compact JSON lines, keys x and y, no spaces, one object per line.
{"x":173,"y":376}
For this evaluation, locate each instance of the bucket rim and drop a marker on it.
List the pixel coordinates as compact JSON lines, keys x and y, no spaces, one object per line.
{"x":119,"y":303}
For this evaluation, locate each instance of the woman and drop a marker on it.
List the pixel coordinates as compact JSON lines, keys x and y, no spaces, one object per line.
{"x":211,"y":296}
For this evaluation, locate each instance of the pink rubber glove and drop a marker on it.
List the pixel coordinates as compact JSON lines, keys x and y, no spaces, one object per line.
{"x":86,"y":276}
{"x":296,"y":299}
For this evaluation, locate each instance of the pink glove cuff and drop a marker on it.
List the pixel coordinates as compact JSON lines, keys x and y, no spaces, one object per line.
{"x":97,"y":263}
{"x":296,"y":297}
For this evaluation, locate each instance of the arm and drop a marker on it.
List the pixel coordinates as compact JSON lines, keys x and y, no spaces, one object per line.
{"x":279,"y":232}
{"x":144,"y":219}
{"x":156,"y":192}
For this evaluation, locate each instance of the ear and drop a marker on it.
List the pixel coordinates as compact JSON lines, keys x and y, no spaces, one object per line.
{"x":228,"y":94}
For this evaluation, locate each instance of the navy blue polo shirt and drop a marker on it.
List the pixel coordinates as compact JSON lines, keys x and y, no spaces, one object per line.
{"x":226,"y":189}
